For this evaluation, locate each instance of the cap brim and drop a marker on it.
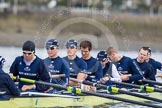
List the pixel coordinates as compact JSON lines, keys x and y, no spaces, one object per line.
{"x":49,"y":46}
{"x":71,"y":45}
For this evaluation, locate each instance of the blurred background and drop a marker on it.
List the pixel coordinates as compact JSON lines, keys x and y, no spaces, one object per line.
{"x":125,"y":24}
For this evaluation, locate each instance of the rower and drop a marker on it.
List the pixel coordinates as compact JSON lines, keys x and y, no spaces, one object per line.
{"x":110,"y":72}
{"x":30,"y":66}
{"x":125,"y":66}
{"x":94,"y":68}
{"x":76,"y":65}
{"x":155,"y":64}
{"x":55,"y":65}
{"x":7,"y":85}
{"x":145,"y":68}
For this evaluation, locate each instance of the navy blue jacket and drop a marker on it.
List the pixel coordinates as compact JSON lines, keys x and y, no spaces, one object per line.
{"x":7,"y":84}
{"x":147,"y":70}
{"x":155,"y":64}
{"x":94,"y":68}
{"x":126,"y":66}
{"x":57,"y":66}
{"x":75,"y":66}
{"x":35,"y":71}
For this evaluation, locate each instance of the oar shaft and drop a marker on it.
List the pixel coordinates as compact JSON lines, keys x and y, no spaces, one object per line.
{"x":120,"y":99}
{"x":52,"y":85}
{"x":158,"y":90}
{"x":152,"y":82}
{"x":140,"y":96}
{"x":126,"y":84}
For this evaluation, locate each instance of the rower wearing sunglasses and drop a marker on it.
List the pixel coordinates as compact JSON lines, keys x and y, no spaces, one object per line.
{"x":30,"y":66}
{"x":55,"y":65}
{"x":76,"y":65}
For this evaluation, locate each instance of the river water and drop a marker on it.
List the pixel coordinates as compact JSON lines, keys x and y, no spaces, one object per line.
{"x":11,"y":52}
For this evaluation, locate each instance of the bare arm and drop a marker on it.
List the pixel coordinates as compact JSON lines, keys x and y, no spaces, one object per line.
{"x":159,"y":75}
{"x":58,"y":76}
{"x":28,"y":87}
{"x":80,"y":76}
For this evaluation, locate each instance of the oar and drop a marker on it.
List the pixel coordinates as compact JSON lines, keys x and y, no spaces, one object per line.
{"x":2,"y":93}
{"x":116,"y":90}
{"x":48,"y":94}
{"x":142,"y":87}
{"x":79,"y":91}
{"x":152,"y":82}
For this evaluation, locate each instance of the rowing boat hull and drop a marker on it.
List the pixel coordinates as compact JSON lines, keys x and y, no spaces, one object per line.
{"x":66,"y":102}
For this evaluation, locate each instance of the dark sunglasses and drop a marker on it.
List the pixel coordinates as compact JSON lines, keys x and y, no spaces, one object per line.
{"x":27,"y":53}
{"x":70,"y":47}
{"x":51,"y":48}
{"x":103,"y":60}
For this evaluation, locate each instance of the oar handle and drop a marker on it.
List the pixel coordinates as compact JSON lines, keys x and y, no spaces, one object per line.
{"x":24,"y":79}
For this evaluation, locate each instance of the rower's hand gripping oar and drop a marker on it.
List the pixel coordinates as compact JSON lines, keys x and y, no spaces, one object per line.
{"x":115,"y":90}
{"x":79,"y":91}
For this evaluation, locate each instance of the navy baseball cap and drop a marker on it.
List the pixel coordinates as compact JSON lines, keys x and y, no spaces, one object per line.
{"x":52,"y":43}
{"x":71,"y":43}
{"x":2,"y":61}
{"x":102,"y":56}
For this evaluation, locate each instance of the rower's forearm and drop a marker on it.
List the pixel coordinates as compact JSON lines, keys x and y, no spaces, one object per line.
{"x":73,"y":83}
{"x":159,"y":75}
{"x":58,"y":76}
